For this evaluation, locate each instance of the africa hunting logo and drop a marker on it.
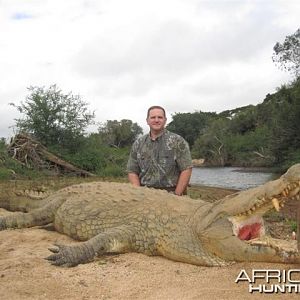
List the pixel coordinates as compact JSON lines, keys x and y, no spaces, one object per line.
{"x":271,"y":281}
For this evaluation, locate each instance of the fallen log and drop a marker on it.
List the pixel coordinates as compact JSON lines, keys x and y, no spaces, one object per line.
{"x":33,"y":154}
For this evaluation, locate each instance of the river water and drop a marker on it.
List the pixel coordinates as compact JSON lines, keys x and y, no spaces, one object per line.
{"x":230,"y":177}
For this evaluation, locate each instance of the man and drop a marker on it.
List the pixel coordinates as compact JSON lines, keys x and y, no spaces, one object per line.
{"x":160,"y":159}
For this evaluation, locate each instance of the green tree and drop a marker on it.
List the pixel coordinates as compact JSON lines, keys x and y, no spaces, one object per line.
{"x":211,"y":145}
{"x":190,"y":125}
{"x":244,"y":121}
{"x":287,"y":54}
{"x":119,"y":133}
{"x":251,"y":148}
{"x":285,"y":122}
{"x":54,"y":118}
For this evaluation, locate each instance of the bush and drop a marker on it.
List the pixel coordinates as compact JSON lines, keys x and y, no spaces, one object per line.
{"x":90,"y":160}
{"x":5,"y":174}
{"x":290,"y":158}
{"x":112,"y":171}
{"x":99,"y":159}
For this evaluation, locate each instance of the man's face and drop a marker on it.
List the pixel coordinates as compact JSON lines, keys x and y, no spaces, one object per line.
{"x":156,"y":119}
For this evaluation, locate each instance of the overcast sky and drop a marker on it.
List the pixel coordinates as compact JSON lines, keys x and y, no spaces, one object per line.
{"x":123,"y":56}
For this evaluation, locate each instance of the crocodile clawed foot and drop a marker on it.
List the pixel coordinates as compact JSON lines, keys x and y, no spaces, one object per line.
{"x":62,"y":256}
{"x":69,"y":256}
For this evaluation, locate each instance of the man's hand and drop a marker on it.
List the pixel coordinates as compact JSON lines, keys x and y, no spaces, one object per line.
{"x":183,"y":181}
{"x":134,"y":179}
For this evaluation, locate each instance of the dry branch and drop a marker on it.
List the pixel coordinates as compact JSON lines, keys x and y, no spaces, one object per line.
{"x":34,"y":155}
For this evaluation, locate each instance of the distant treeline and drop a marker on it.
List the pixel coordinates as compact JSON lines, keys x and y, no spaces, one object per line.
{"x":264,"y":135}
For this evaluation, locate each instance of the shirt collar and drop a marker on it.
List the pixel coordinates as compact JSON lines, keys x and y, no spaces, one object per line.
{"x":157,"y":138}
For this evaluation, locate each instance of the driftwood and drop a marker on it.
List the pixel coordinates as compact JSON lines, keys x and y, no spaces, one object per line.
{"x":34,"y":155}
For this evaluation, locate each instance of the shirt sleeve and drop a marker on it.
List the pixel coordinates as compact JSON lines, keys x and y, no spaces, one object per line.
{"x":132,"y":164}
{"x":183,"y":155}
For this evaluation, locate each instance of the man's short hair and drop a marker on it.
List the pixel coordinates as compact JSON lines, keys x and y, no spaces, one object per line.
{"x":155,"y":107}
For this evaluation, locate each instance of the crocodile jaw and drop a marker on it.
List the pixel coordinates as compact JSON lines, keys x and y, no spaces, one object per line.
{"x":252,"y":232}
{"x":249,"y":225}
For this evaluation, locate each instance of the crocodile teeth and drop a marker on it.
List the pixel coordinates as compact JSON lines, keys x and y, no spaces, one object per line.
{"x":260,"y":202}
{"x":284,"y":193}
{"x":275,"y":203}
{"x":295,"y":191}
{"x":257,"y":205}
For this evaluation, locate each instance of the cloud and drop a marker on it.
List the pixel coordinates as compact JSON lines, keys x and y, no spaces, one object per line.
{"x":170,"y":50}
{"x":124,"y":56}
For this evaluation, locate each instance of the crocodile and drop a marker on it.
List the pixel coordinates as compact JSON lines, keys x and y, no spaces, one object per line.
{"x":108,"y":218}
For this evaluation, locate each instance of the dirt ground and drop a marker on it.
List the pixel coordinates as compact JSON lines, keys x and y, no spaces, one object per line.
{"x":25,"y":274}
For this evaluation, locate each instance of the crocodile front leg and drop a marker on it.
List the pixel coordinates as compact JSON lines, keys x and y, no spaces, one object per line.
{"x":115,"y":240}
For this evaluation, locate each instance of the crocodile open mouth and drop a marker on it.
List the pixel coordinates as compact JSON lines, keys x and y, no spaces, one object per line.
{"x":249,"y":225}
{"x":250,"y":228}
{"x":252,"y":231}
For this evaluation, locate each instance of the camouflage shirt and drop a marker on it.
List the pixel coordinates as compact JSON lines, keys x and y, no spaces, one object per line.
{"x":159,"y":162}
